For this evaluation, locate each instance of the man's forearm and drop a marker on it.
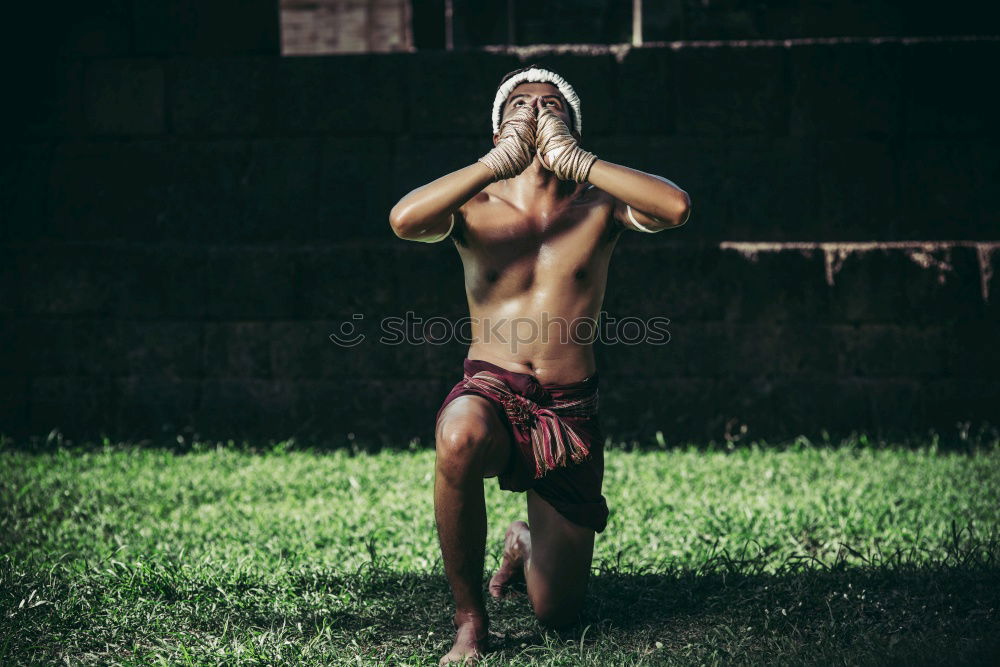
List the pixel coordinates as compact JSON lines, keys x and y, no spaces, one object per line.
{"x":424,"y":213}
{"x":653,"y":195}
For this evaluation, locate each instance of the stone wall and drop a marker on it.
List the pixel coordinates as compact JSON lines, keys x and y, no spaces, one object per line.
{"x":181,"y":234}
{"x":313,"y":27}
{"x":525,"y":22}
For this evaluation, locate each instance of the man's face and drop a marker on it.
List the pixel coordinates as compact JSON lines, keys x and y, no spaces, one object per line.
{"x":540,"y":96}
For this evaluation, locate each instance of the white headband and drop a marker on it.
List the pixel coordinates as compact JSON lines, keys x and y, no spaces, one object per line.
{"x":537,"y":75}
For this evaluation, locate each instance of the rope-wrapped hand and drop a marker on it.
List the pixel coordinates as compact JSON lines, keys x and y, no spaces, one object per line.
{"x":558,"y":151}
{"x":516,"y":147}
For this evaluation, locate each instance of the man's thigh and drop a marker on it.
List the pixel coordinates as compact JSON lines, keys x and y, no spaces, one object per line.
{"x":475,"y":419}
{"x":561,"y":554}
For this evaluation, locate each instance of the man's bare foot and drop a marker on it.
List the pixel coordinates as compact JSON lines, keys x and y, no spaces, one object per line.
{"x":470,"y":641}
{"x":516,"y":547}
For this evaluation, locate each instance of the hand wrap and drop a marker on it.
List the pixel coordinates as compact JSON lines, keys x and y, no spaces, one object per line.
{"x":516,"y":148}
{"x":559,"y":151}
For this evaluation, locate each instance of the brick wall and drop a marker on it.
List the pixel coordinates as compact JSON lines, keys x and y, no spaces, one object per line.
{"x":181,"y":233}
{"x":345,"y":26}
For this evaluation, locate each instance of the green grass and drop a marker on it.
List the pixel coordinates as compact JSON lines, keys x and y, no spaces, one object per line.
{"x":789,"y":555}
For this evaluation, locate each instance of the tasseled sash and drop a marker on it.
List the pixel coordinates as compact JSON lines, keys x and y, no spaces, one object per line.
{"x":551,"y":438}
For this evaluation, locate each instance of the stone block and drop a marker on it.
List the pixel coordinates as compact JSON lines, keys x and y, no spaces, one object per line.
{"x":636,"y":347}
{"x":223,"y":96}
{"x":370,"y":411}
{"x":889,"y":350}
{"x":125,"y":97}
{"x":245,"y":283}
{"x":306,"y":349}
{"x":282,"y":192}
{"x":168,"y":282}
{"x":338,"y":282}
{"x":79,"y":407}
{"x":153,"y":190}
{"x":780,"y":408}
{"x":51,"y":97}
{"x":646,"y":99}
{"x":431,"y":280}
{"x":903,"y":285}
{"x":731,"y":91}
{"x":70,"y":30}
{"x":948,"y":402}
{"x":943,"y":89}
{"x":69,"y":280}
{"x":894,"y":405}
{"x":772,"y":187}
{"x":154,"y":407}
{"x":639,"y":407}
{"x":346,"y":95}
{"x":946,"y":187}
{"x":39,"y":346}
{"x":302,"y":349}
{"x":646,"y":280}
{"x":14,"y":396}
{"x":111,"y":190}
{"x":356,"y":187}
{"x":12,"y":299}
{"x":170,"y":350}
{"x":846,"y":90}
{"x":697,"y":165}
{"x":212,"y":191}
{"x":191,"y":27}
{"x":747,"y":285}
{"x":247,"y":408}
{"x":237,"y":350}
{"x":451,"y":93}
{"x":718,"y":349}
{"x":102,"y":347}
{"x":856,"y":195}
{"x":420,"y":161}
{"x":24,"y":179}
{"x":971,"y":348}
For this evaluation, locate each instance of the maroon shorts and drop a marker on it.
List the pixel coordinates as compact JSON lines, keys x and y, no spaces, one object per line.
{"x":575,"y":490}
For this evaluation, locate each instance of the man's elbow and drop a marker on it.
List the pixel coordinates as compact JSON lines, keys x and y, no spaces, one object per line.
{"x":405,"y":227}
{"x":684,"y":211}
{"x":400,"y":225}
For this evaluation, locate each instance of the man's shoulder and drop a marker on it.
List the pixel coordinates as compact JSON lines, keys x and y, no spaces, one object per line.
{"x":592,"y":192}
{"x":482,"y":197}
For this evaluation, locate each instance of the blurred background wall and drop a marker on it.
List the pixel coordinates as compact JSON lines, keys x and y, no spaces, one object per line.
{"x":187,"y":214}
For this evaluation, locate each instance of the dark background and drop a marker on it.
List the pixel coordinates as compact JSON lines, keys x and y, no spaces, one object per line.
{"x":187,"y":216}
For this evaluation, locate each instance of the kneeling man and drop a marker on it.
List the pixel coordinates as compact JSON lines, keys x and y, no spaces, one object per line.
{"x":535,"y":221}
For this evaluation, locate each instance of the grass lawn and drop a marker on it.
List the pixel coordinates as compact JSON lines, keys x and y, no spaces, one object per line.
{"x":223,"y":555}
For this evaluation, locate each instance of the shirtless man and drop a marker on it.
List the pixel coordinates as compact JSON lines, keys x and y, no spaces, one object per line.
{"x":535,"y":221}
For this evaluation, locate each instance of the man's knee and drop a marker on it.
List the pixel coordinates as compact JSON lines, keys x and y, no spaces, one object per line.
{"x":558,"y":616}
{"x":461,"y":448}
{"x":555,"y":608}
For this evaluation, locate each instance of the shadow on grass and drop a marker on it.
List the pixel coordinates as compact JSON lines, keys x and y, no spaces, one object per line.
{"x":728,"y":610}
{"x":938,"y":615}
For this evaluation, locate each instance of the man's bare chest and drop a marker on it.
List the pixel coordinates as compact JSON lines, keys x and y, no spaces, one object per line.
{"x":490,"y":223}
{"x":508,"y":252}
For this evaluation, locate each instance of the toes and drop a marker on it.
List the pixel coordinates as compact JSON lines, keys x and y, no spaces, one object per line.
{"x":497,"y":584}
{"x":453,"y":658}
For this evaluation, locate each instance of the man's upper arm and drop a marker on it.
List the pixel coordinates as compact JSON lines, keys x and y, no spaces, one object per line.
{"x":627,"y":217}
